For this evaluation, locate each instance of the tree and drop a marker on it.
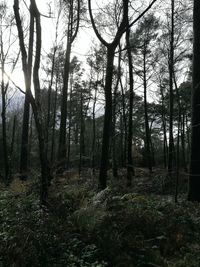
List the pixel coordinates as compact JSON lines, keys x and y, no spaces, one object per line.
{"x":6,"y":42}
{"x":142,"y":40}
{"x":194,"y":176}
{"x":35,"y":102}
{"x":130,"y":167}
{"x":111,"y":47}
{"x":171,"y":93}
{"x":108,"y":89}
{"x":72,"y":30}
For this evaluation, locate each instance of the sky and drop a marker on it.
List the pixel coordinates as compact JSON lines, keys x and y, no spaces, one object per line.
{"x":85,"y":36}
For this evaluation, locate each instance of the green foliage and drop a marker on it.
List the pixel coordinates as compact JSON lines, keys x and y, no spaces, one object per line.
{"x":31,"y":235}
{"x":136,"y":230}
{"x":82,"y":228}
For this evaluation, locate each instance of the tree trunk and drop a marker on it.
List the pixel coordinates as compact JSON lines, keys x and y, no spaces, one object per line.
{"x":107,"y":119}
{"x":94,"y":128}
{"x":183,"y":142}
{"x":62,"y":151}
{"x":71,"y":35}
{"x":25,"y":140}
{"x":4,"y":132}
{"x":194,"y":177}
{"x":124,"y":145}
{"x":171,"y":94}
{"x":82,"y":132}
{"x":147,"y":131}
{"x":114,"y":156}
{"x":70,"y":125}
{"x":130,"y":167}
{"x":165,"y":146}
{"x":49,"y":97}
{"x":24,"y":157}
{"x":54,"y":123}
{"x":35,"y":102}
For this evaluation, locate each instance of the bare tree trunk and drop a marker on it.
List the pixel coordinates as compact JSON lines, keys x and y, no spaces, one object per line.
{"x":13,"y":136}
{"x":3,"y":116}
{"x":24,"y":157}
{"x":35,"y":102}
{"x":94,"y":128}
{"x":178,"y":141}
{"x":114,"y":156}
{"x":54,"y":123}
{"x":71,"y":35}
{"x":130,"y":167}
{"x":70,"y":125}
{"x":165,"y":146}
{"x":49,"y":97}
{"x":171,"y":94}
{"x":82,"y":130}
{"x":107,"y":119}
{"x":194,"y":176}
{"x":124,"y":156}
{"x":183,"y":142}
{"x":24,"y":140}
{"x":147,"y":131}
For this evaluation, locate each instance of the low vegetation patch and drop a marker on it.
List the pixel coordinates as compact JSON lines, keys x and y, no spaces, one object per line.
{"x":81,"y":227}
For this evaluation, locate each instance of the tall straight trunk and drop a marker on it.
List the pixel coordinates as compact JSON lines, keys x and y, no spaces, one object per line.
{"x":54,"y":122}
{"x":13,"y":136}
{"x":62,"y":146}
{"x":178,"y":141}
{"x":147,"y":131}
{"x":194,"y":176}
{"x":124,"y":156}
{"x":51,"y":82}
{"x":121,"y":141}
{"x":107,"y":118}
{"x":114,"y":159}
{"x":94,"y":128}
{"x":183,"y":142}
{"x":177,"y":158}
{"x":82,"y":133}
{"x":71,"y":35}
{"x":3,"y":116}
{"x":30,"y":138}
{"x":49,"y":98}
{"x":130,"y":167}
{"x":114,"y":154}
{"x":70,"y":125}
{"x":165,"y":146}
{"x":188,"y":132}
{"x":37,"y":111}
{"x":25,"y":140}
{"x":171,"y":94}
{"x":12,"y":144}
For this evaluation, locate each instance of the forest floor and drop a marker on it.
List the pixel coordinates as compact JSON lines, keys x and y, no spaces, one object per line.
{"x":117,"y":227}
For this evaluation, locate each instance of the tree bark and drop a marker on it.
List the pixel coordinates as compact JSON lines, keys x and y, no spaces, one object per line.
{"x":171,"y":94}
{"x":24,"y":156}
{"x":194,"y":176}
{"x":3,"y":116}
{"x":147,"y":131}
{"x":54,"y":122}
{"x":107,"y":119}
{"x":35,"y":102}
{"x":71,"y":35}
{"x":130,"y":167}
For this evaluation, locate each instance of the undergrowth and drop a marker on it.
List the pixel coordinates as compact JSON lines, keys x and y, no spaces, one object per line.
{"x":81,"y":227}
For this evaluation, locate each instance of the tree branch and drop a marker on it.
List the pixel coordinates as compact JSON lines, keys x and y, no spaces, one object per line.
{"x":94,"y":26}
